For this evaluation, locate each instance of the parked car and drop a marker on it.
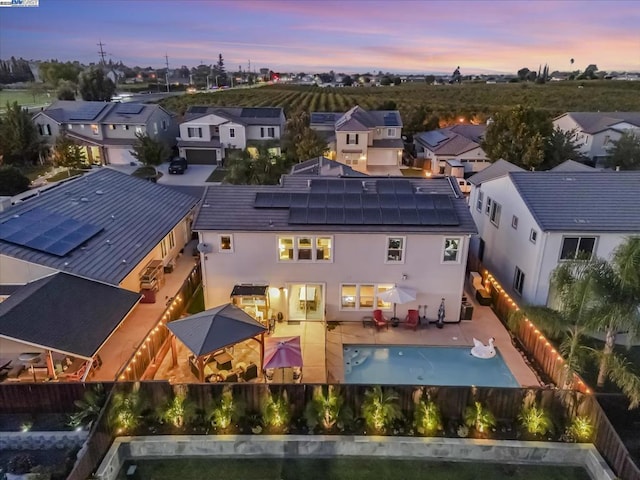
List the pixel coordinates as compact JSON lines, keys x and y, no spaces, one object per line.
{"x":178,"y":165}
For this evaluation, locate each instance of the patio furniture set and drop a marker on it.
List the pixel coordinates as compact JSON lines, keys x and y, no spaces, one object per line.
{"x":220,"y":368}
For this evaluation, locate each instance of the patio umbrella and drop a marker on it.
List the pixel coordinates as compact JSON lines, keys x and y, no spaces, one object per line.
{"x":214,"y":329}
{"x":398,"y":295}
{"x":282,"y":352}
{"x":440,"y":315}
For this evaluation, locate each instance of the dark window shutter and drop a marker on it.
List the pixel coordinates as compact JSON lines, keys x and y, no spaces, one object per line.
{"x":356,"y":139}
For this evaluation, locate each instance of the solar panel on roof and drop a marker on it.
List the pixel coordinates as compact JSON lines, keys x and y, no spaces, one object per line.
{"x":390,"y":119}
{"x":406,"y":201}
{"x":370,"y":200}
{"x":335,"y":216}
{"x":320,"y":117}
{"x":87,"y":111}
{"x":371,"y":216}
{"x":47,"y":231}
{"x":335,"y":186}
{"x":442,"y":201}
{"x":353,"y":200}
{"x":353,"y":186}
{"x":198,"y":110}
{"x":388,"y":200}
{"x":353,"y":216}
{"x":402,"y":186}
{"x":129,"y":108}
{"x":428,"y":217}
{"x":390,"y":216}
{"x":319,"y":186}
{"x":335,"y":200}
{"x":409,"y":216}
{"x":317,"y":216}
{"x":281,"y":200}
{"x":260,"y":112}
{"x":424,"y":201}
{"x":318,"y":200}
{"x":263,"y":200}
{"x":299,"y":199}
{"x":447,"y":216}
{"x":385,"y":186}
{"x":298,"y":215}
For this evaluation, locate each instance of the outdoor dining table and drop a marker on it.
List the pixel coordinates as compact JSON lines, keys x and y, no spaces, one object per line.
{"x":30,"y":358}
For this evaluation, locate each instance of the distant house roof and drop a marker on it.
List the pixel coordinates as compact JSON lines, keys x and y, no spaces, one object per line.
{"x":594,"y":122}
{"x":240,"y":115}
{"x":582,"y":201}
{"x":497,"y":169}
{"x":391,"y":205}
{"x":133,"y":216}
{"x":326,"y":167}
{"x":357,"y":119}
{"x":573,"y":166}
{"x":84,"y":312}
{"x":80,"y":112}
{"x":388,"y":143}
{"x":452,"y":140}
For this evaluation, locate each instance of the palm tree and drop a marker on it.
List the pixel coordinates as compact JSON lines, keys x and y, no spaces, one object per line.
{"x":380,"y":407}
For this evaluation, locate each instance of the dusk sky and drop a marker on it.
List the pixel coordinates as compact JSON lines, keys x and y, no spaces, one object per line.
{"x":347,"y":36}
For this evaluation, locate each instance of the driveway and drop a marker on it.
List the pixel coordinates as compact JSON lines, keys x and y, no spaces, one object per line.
{"x":195,"y":175}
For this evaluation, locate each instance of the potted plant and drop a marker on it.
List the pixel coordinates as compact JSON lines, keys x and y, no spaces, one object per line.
{"x":380,"y":408}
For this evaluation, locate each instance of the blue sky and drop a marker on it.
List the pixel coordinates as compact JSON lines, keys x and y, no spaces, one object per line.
{"x":345,"y":36}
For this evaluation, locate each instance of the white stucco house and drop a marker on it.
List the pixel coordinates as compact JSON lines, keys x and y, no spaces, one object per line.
{"x":208,"y":132}
{"x":320,"y":249}
{"x":530,"y":222}
{"x":461,"y":143}
{"x":362,"y":138}
{"x":106,"y":130}
{"x":597,"y":130}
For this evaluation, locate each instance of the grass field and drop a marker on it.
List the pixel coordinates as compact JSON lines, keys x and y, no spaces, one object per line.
{"x":24,"y":98}
{"x":418,"y":102}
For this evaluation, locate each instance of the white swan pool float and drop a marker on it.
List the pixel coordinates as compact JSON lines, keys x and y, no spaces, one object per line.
{"x":480,"y":350}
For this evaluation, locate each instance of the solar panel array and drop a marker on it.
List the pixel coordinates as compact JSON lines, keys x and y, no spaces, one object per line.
{"x":320,"y":117}
{"x":129,"y":108}
{"x":87,"y":111}
{"x":47,"y":232}
{"x":198,"y":110}
{"x":343,"y":202}
{"x":260,"y":113}
{"x":391,"y":120}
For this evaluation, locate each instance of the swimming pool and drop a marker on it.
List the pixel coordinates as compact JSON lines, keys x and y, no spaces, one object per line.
{"x":410,"y":365}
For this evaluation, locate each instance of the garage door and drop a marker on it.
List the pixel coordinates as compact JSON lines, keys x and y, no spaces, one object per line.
{"x":201,"y":157}
{"x":120,"y":156}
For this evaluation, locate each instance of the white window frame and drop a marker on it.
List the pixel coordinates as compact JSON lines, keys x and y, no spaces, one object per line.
{"x":164,"y":125}
{"x":194,"y":132}
{"x":494,"y":216}
{"x":69,"y":126}
{"x":354,"y":137}
{"x":580,"y":238}
{"x":388,"y":307}
{"x":314,"y":249}
{"x":480,"y":201}
{"x":514,"y":222}
{"x":518,"y":281}
{"x":445,"y":242}
{"x":402,"y":249}
{"x":391,"y":132}
{"x":533,"y":236}
{"x":112,"y":127}
{"x":139,"y":130}
{"x":487,"y":207}
{"x":221,"y":236}
{"x":271,"y":132}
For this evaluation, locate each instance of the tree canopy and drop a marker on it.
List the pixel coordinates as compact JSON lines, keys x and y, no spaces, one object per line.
{"x":625,"y":152}
{"x":12,"y":181}
{"x":518,"y":136}
{"x":150,"y":151}
{"x":262,"y":168}
{"x":54,"y":72}
{"x":67,"y":153}
{"x":560,"y":146}
{"x":301,"y":142}
{"x":94,"y":85}
{"x":20,"y":143}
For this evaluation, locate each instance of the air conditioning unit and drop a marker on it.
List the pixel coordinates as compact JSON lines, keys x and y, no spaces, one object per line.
{"x":204,"y":248}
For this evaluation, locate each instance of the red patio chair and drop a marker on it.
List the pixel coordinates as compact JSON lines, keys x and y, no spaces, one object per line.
{"x":413,"y":319}
{"x":379,"y":320}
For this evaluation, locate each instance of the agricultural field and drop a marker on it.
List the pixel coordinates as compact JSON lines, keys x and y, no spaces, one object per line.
{"x":418,"y":103}
{"x":24,"y":98}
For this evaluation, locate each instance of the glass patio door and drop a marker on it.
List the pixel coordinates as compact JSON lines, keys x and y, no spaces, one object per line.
{"x":306,"y":302}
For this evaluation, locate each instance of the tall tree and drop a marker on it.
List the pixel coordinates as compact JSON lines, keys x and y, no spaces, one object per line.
{"x":20,"y":143}
{"x":54,"y":72}
{"x":625,"y":152}
{"x":67,"y":153}
{"x":94,"y":85}
{"x":518,"y":136}
{"x":12,"y":181}
{"x":560,"y":146}
{"x":243,"y":168}
{"x":150,"y":151}
{"x":523,"y":73}
{"x":66,"y":90}
{"x":300,"y":141}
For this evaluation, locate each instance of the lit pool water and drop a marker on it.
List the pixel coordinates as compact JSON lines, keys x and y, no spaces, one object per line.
{"x":410,"y":365}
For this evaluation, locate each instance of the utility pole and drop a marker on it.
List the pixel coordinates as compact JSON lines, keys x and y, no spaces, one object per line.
{"x":102,"y":53}
{"x":166,"y":75}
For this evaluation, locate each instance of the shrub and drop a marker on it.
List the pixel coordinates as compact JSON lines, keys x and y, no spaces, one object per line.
{"x":126,"y":411}
{"x":327,"y":409}
{"x":380,"y":408}
{"x":427,"y":418}
{"x":275,"y":411}
{"x":580,"y":430}
{"x":478,"y":417}
{"x":225,"y":411}
{"x":536,"y":421}
{"x":89,"y":407}
{"x":21,"y":464}
{"x":12,"y":181}
{"x":177,"y":411}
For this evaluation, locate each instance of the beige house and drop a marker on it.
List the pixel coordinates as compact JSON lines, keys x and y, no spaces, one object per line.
{"x":362,"y":138}
{"x":460,"y":144}
{"x":106,"y":130}
{"x":320,"y":249}
{"x":597,"y":130}
{"x":208,"y":132}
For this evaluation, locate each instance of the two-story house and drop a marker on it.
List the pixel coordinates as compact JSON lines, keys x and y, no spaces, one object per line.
{"x":597,"y":130}
{"x":106,"y":130}
{"x":530,"y":222}
{"x":461,"y":143}
{"x":316,"y":249}
{"x":208,"y":132}
{"x":363,"y":138}
{"x":75,"y":258}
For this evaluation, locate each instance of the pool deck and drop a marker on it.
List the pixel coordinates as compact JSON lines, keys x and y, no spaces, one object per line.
{"x":325,"y":365}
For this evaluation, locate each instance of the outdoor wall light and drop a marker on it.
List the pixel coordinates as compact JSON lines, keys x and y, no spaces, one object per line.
{"x":405,"y":276}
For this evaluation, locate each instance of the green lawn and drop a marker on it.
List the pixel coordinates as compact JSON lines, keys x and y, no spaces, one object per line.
{"x":23,"y":97}
{"x":217,"y":175}
{"x":343,"y":469}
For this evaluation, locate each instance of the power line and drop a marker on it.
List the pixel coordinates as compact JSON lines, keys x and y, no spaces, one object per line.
{"x":101,"y":52}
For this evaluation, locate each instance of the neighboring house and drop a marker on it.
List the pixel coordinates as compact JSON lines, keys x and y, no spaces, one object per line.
{"x":597,"y":130}
{"x":316,"y":249}
{"x":208,"y":132}
{"x":325,"y":167}
{"x":573,"y":166}
{"x":363,"y":138}
{"x":530,"y":222}
{"x":461,"y":143}
{"x":107,"y":130}
{"x":81,"y":253}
